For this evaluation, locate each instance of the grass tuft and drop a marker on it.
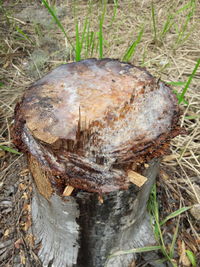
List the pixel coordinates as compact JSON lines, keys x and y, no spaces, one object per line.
{"x":154,"y":211}
{"x":181,"y":97}
{"x":135,"y":250}
{"x":57,"y":21}
{"x":131,"y":50}
{"x":101,"y":23}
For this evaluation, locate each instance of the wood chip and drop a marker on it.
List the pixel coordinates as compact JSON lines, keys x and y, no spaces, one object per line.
{"x":136,"y":178}
{"x":68,"y":190}
{"x":100,"y":198}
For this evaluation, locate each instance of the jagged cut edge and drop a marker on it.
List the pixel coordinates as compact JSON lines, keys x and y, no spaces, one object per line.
{"x":78,"y":170}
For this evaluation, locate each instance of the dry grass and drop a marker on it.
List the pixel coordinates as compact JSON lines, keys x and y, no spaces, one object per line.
{"x":25,"y":59}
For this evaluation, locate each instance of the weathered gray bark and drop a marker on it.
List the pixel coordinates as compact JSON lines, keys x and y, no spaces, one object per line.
{"x":80,"y":231}
{"x":88,"y":125}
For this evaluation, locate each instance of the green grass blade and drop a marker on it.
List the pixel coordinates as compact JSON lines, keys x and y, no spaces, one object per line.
{"x":185,"y":7}
{"x":83,"y":38}
{"x":93,"y":41}
{"x":171,"y":252}
{"x":78,"y":47}
{"x":101,"y":22}
{"x":167,"y":26}
{"x":135,"y":250}
{"x":80,"y":40}
{"x":90,"y":43}
{"x":184,"y":28}
{"x":175,"y":83}
{"x":178,"y":97}
{"x":192,"y":117}
{"x":154,"y":21}
{"x":23,"y":34}
{"x":181,"y":98}
{"x":9,"y":149}
{"x":114,"y":12}
{"x":191,"y":257}
{"x":57,"y":21}
{"x":174,"y":214}
{"x":189,"y":32}
{"x":87,"y":42}
{"x":101,"y":38}
{"x":131,"y":50}
{"x":154,"y":210}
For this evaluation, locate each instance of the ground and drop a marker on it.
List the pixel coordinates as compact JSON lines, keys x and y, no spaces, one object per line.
{"x":31,"y":44}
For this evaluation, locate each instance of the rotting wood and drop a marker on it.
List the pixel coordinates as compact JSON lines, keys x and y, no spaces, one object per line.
{"x":85,"y":125}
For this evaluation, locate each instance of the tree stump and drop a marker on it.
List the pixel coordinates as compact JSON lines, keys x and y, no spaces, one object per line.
{"x":88,"y":128}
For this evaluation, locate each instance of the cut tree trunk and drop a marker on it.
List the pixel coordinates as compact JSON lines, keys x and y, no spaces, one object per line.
{"x":93,"y":132}
{"x":79,"y":230}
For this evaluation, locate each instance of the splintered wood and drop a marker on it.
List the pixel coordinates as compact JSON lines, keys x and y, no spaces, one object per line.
{"x":100,"y":198}
{"x":136,"y":178}
{"x":81,"y":127}
{"x":68,"y":190}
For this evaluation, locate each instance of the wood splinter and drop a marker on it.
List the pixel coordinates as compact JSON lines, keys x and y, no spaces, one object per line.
{"x":136,"y":178}
{"x":100,"y":199}
{"x":68,"y":191}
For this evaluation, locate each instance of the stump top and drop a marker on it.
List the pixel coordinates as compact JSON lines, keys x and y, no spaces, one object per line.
{"x":103,"y":111}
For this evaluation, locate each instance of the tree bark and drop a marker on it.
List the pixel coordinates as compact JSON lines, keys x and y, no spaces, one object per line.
{"x":79,"y":230}
{"x":85,"y":128}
